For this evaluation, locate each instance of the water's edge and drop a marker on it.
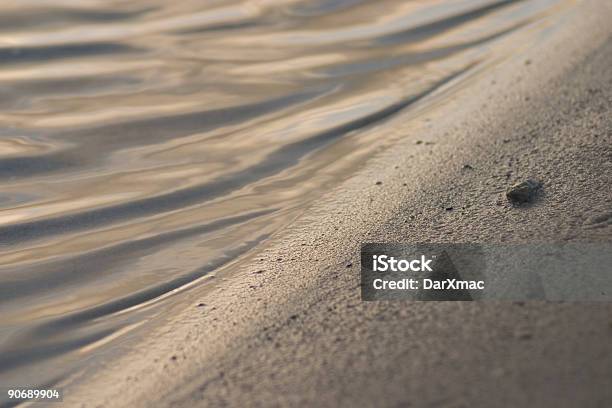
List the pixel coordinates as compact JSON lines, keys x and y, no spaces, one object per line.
{"x":144,"y":147}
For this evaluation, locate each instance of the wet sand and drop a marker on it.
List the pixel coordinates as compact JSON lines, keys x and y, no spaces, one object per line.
{"x":288,"y":327}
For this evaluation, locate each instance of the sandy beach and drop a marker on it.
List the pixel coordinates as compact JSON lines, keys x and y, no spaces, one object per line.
{"x":286,"y":326}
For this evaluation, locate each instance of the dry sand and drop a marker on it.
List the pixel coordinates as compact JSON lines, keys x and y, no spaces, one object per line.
{"x":297,"y":333}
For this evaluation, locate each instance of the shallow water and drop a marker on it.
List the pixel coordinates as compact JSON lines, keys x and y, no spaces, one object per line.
{"x":146,"y":144}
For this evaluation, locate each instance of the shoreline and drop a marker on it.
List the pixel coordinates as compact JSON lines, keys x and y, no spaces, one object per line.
{"x":298,"y":332}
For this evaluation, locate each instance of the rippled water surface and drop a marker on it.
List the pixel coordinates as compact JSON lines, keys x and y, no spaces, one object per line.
{"x":145,"y":144}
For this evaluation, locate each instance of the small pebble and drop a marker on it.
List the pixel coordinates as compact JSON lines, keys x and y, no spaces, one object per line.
{"x":523,"y":192}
